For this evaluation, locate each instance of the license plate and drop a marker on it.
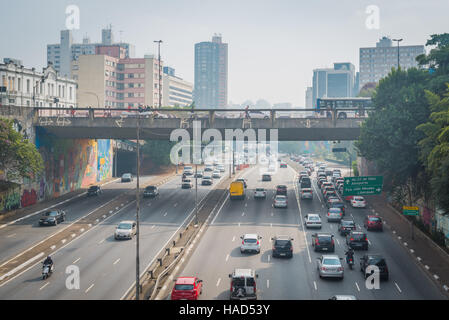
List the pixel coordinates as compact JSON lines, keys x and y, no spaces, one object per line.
{"x":282,"y":254}
{"x":325,"y":249}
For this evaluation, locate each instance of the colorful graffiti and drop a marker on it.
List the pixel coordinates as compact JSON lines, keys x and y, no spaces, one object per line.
{"x":29,"y":197}
{"x":10,"y":199}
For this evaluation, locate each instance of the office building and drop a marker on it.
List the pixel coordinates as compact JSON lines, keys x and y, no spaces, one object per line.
{"x":26,"y":87}
{"x":211,"y":73}
{"x":376,"y":62}
{"x":62,"y":54}
{"x":333,"y":83}
{"x":309,"y":98}
{"x":176,"y":91}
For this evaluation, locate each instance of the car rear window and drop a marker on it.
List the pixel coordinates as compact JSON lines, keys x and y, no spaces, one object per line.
{"x":250,"y":282}
{"x":282,"y":243}
{"x":250,"y":240}
{"x":184,"y":287}
{"x":238,"y":282}
{"x":151,"y":188}
{"x":324,"y":239}
{"x":93,"y":188}
{"x":335,"y":210}
{"x":281,"y":198}
{"x":347,"y":223}
{"x":51,"y":213}
{"x":376,"y":261}
{"x":260,"y":189}
{"x":314,"y":218}
{"x":358,"y":236}
{"x":331,"y":262}
{"x":358,"y":198}
{"x":373,"y":219}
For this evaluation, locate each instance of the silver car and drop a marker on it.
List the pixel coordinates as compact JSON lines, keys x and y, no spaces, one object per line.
{"x":250,"y":243}
{"x":306,"y":193}
{"x":125,"y":230}
{"x":330,"y":266}
{"x":334,"y":215}
{"x":280,"y":202}
{"x":312,"y":220}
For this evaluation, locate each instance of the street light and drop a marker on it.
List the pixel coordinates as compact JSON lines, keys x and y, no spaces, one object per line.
{"x":137,"y":211}
{"x":160,"y":71}
{"x":398,"y":40}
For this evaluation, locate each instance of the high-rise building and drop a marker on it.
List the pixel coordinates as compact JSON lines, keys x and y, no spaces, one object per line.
{"x":63,"y":53}
{"x":211,"y":74}
{"x":332,"y":83}
{"x":175,"y":90}
{"x":376,"y":62}
{"x":309,"y":98}
{"x":110,"y":79}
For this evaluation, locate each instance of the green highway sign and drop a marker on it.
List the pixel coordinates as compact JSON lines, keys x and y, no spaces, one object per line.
{"x":410,"y":211}
{"x":362,"y":186}
{"x":338,"y":149}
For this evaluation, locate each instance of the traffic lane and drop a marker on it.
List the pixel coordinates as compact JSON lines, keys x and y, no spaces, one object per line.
{"x":109,"y":226}
{"x":25,"y":233}
{"x":221,"y":247}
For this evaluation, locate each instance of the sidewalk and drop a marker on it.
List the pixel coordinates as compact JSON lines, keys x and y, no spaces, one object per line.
{"x":429,"y":256}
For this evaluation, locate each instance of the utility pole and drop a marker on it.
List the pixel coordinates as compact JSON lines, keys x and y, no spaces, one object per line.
{"x":137,"y":212}
{"x":196,"y":194}
{"x":398,"y":40}
{"x":160,"y":71}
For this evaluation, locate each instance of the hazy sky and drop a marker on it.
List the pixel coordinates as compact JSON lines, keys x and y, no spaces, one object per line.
{"x":273,"y":44}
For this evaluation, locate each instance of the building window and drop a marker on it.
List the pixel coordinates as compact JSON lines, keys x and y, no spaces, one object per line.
{"x":28,"y":85}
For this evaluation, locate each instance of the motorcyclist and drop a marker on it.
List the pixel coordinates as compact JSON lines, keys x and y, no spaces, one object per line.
{"x":349,"y":255}
{"x":48,"y":261}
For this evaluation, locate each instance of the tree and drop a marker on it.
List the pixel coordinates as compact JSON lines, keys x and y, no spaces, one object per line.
{"x":19,"y":158}
{"x":368,"y":89}
{"x":388,"y":137}
{"x":158,"y":151}
{"x":434,"y":148}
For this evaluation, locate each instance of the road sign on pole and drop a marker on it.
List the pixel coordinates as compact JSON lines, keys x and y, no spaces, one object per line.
{"x":362,"y":186}
{"x":338,"y":149}
{"x":410,"y":211}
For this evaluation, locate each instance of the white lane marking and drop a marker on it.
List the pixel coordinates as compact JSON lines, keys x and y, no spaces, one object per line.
{"x":239,"y":224}
{"x":73,"y":235}
{"x":219,"y":210}
{"x":44,"y":286}
{"x":218,"y":282}
{"x":398,"y":287}
{"x":23,"y":265}
{"x":149,"y":204}
{"x":152,"y":227}
{"x":243,"y":213}
{"x":76,"y":260}
{"x":63,"y":240}
{"x":11,"y":235}
{"x":419,"y":258}
{"x":116,"y":208}
{"x":331,"y":226}
{"x":369,"y":242}
{"x":268,"y":283}
{"x":109,"y":212}
{"x":268,"y":257}
{"x":101,"y":241}
{"x":82,"y":230}
{"x":314,"y":284}
{"x":97,"y":220}
{"x":227,"y":257}
{"x":357,"y":285}
{"x":394,"y":231}
{"x":427,"y":267}
{"x":165,"y":214}
{"x":412,"y":251}
{"x":53,"y":247}
{"x":338,"y":242}
{"x":88,"y":289}
{"x":436,"y":277}
{"x":121,"y":204}
{"x":175,"y":205}
{"x":399,"y":237}
{"x":233,"y":238}
{"x":272,"y":214}
{"x":271,"y":225}
{"x":116,"y":261}
{"x":89,"y":225}
{"x":246,"y":205}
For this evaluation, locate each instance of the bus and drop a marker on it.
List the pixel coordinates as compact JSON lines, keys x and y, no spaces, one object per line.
{"x":359,"y":106}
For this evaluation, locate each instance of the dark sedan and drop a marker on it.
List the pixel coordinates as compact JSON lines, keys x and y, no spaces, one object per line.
{"x":282,"y":246}
{"x":94,"y":191}
{"x":374,"y":260}
{"x":357,"y":240}
{"x":52,"y":218}
{"x":323,"y":242}
{"x":150,"y":191}
{"x":346,"y":226}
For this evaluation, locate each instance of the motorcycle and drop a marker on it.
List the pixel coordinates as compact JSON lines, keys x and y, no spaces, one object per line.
{"x":47,"y":270}
{"x":350,"y":261}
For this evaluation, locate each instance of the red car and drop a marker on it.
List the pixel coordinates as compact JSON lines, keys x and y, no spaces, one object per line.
{"x":187,"y":288}
{"x":349,"y":198}
{"x":373,"y":223}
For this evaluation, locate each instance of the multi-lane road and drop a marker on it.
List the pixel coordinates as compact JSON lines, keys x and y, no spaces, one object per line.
{"x":107,"y":267}
{"x":218,"y":253}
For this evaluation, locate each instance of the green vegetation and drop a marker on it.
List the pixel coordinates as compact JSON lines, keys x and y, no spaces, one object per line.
{"x":408,"y":136}
{"x":158,"y":151}
{"x":19,"y":157}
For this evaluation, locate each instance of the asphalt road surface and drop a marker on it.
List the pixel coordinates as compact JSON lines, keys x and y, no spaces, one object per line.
{"x":218,"y":253}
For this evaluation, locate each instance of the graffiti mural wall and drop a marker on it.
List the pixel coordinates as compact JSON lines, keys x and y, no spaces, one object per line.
{"x":69,"y":165}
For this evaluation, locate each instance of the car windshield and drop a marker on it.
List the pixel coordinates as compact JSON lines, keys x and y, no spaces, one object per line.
{"x":93,"y":188}
{"x":331,"y":262}
{"x":184,"y":287}
{"x":124,"y":226}
{"x":51,"y":213}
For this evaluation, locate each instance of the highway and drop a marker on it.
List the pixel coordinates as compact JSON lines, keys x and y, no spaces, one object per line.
{"x":107,"y":267}
{"x":218,"y":252}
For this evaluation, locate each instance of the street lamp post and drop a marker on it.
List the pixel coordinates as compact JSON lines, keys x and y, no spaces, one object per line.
{"x":137,"y":212}
{"x":398,"y":40}
{"x":160,"y":71}
{"x":196,"y":193}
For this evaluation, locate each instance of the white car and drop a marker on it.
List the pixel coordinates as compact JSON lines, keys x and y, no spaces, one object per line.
{"x":188,"y":170}
{"x":358,"y":202}
{"x":329,"y":266}
{"x":250,"y":242}
{"x":216,"y":174}
{"x":260,"y":193}
{"x":280,"y":202}
{"x":221,"y":168}
{"x":125,"y":230}
{"x":313,"y":220}
{"x":187,"y":184}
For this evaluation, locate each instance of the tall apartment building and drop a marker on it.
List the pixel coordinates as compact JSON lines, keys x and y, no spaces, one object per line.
{"x":62,"y":54}
{"x":309,"y":98}
{"x":336,"y":82}
{"x":376,"y":62}
{"x":22,"y":86}
{"x":175,"y":90}
{"x":211,"y":73}
{"x":110,"y":79}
